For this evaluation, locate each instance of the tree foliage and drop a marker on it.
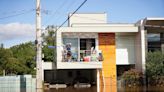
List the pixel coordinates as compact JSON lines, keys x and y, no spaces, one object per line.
{"x":8,"y":63}
{"x":49,"y":40}
{"x":155,"y":64}
{"x":18,"y":59}
{"x":155,"y":68}
{"x":25,"y":53}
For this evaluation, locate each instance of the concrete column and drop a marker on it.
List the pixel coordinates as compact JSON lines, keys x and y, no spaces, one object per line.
{"x":98,"y":80}
{"x":140,"y":44}
{"x":143,"y":51}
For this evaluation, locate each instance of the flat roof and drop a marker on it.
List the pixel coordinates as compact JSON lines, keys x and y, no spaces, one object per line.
{"x":154,"y":18}
{"x":102,"y":24}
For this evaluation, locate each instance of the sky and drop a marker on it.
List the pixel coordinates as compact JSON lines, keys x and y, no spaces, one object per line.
{"x":17,"y":17}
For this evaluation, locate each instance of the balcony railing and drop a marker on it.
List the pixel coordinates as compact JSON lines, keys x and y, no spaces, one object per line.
{"x":84,"y":56}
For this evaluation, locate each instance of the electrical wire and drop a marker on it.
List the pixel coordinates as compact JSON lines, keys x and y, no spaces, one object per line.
{"x":68,"y":7}
{"x":71,"y":15}
{"x":54,"y":13}
{"x":15,"y":15}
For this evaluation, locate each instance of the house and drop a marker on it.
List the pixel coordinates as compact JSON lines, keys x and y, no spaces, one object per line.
{"x":98,"y":51}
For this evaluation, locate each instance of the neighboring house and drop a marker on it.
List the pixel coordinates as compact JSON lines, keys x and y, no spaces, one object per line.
{"x":99,"y":51}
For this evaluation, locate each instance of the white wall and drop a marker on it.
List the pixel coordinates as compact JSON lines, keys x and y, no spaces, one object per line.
{"x":48,"y":65}
{"x":128,"y":59}
{"x":88,"y":18}
{"x":125,"y":49}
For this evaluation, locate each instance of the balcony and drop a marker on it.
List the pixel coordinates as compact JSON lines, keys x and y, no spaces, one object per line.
{"x":79,"y":53}
{"x":86,"y":59}
{"x":84,"y":56}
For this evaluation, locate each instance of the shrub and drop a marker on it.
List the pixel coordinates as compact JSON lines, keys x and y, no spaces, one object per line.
{"x":132,"y":78}
{"x":155,"y":68}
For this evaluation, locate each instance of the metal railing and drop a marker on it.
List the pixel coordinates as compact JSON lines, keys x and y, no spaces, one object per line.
{"x":84,"y":56}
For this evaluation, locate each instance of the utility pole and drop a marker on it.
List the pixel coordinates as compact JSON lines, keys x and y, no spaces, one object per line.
{"x":39,"y":84}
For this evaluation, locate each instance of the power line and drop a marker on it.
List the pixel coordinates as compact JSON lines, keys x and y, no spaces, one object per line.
{"x":14,"y":15}
{"x":68,"y":7}
{"x":54,"y":12}
{"x":71,"y":15}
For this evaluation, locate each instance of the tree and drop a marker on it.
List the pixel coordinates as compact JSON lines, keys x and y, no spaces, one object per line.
{"x":4,"y":55}
{"x":49,"y":40}
{"x":8,"y":63}
{"x":25,"y":53}
{"x":155,"y":66}
{"x":155,"y":63}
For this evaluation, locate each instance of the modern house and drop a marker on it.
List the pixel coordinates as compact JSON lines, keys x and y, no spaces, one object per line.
{"x":98,"y":52}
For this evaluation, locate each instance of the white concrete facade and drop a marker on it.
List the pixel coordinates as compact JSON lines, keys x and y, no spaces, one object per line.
{"x":130,"y":44}
{"x":125,"y":39}
{"x":87,"y":18}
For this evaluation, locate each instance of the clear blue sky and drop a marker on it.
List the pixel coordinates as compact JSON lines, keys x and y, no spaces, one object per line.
{"x":54,"y":12}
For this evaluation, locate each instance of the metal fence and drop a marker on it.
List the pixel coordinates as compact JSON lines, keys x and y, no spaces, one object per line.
{"x":20,"y":83}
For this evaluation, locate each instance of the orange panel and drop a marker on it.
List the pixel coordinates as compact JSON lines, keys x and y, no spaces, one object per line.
{"x":107,"y":45}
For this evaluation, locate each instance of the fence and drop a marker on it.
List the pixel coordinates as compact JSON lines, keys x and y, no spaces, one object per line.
{"x":20,"y":83}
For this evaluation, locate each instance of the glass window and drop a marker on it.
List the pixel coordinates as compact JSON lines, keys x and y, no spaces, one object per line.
{"x":86,"y":48}
{"x":153,"y":37}
{"x":154,"y":42}
{"x":71,"y":49}
{"x":86,"y":51}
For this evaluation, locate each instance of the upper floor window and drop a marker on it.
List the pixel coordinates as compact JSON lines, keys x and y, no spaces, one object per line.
{"x":80,"y":49}
{"x":154,"y":41}
{"x":70,"y":49}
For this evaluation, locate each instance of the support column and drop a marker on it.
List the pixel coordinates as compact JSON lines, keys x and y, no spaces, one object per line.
{"x":98,"y":80}
{"x":143,"y":49}
{"x":108,"y":74}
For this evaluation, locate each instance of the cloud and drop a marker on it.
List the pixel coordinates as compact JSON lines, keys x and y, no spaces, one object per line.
{"x":16,"y":31}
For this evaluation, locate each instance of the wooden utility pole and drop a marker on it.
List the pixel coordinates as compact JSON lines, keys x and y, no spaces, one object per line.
{"x":39,"y":84}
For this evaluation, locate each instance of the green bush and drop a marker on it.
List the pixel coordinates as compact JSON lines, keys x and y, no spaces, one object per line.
{"x":132,"y":78}
{"x":155,"y":68}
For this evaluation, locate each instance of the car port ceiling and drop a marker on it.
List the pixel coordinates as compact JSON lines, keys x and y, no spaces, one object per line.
{"x":154,"y":26}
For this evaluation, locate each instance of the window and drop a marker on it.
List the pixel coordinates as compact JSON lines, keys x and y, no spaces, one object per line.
{"x":70,"y":49}
{"x":87,"y":44}
{"x":80,"y":49}
{"x":86,"y":47}
{"x":154,"y":41}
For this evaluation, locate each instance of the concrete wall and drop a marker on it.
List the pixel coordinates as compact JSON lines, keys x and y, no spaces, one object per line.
{"x":48,"y":65}
{"x":125,"y":48}
{"x":19,"y":83}
{"x":114,"y":28}
{"x":88,"y":18}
